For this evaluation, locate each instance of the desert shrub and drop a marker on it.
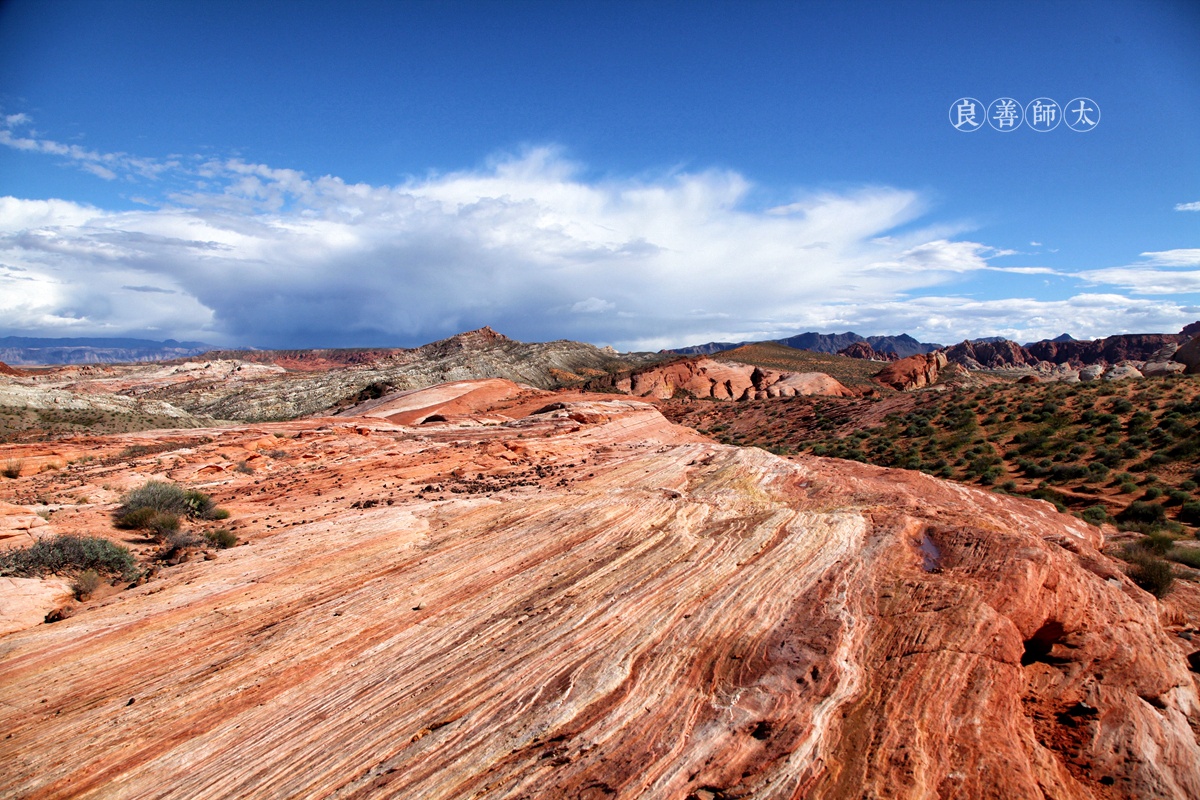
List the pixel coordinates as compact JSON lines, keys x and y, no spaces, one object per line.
{"x":1142,"y":512}
{"x":1157,"y":543}
{"x":1178,"y":496}
{"x":12,"y":469}
{"x":1188,"y":486}
{"x":1149,"y":571}
{"x":1187,"y":556}
{"x":1190,"y":513}
{"x":85,"y":583}
{"x":222,"y":538}
{"x":155,"y":502}
{"x":68,"y":553}
{"x":178,"y":541}
{"x":1097,"y":515}
{"x":162,"y":525}
{"x":1152,"y":493}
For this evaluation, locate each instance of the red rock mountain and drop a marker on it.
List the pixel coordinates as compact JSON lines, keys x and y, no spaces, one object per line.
{"x":989,"y":355}
{"x":1110,"y":350}
{"x":582,"y":600}
{"x":864,"y":351}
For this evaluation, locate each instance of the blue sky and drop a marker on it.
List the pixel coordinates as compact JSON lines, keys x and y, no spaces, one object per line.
{"x":645,"y":174}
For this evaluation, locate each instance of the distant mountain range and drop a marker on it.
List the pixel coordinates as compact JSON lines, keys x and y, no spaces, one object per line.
{"x":902,"y":346}
{"x":30,"y":351}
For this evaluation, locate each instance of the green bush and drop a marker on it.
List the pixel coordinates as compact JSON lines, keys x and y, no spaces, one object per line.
{"x":1188,"y":556}
{"x":1097,"y":515}
{"x":1157,"y":543}
{"x":1142,"y":512}
{"x":1150,"y":572}
{"x":1190,"y":513}
{"x":157,"y":506}
{"x":221,"y":538}
{"x":69,"y":553}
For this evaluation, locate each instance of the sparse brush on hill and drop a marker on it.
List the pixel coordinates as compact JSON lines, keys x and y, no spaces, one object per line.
{"x":60,"y":555}
{"x":1128,"y":451}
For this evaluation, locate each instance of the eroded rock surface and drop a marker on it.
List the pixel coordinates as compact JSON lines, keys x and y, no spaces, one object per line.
{"x":914,"y":372}
{"x":590,"y":602}
{"x":706,"y":378}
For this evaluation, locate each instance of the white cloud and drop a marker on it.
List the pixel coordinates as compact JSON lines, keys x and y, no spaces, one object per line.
{"x":1189,"y":257}
{"x":259,"y":255}
{"x":1188,"y":206}
{"x":593,"y":305}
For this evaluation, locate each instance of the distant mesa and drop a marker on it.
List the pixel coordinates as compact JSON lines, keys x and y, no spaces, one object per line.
{"x":32,"y":351}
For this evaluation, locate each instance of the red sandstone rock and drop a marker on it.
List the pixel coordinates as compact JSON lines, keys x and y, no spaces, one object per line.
{"x":706,"y":378}
{"x":914,"y":372}
{"x":590,"y":602}
{"x":1189,"y":356}
{"x":27,"y":601}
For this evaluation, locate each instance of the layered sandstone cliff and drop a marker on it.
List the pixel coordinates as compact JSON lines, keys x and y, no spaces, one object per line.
{"x":589,"y":602}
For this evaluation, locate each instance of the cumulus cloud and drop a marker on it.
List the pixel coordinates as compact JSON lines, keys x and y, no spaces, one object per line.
{"x":247,"y":253}
{"x":1188,"y":206}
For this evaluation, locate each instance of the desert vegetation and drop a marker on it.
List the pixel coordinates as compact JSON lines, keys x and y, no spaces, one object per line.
{"x":157,"y":508}
{"x":69,"y":555}
{"x":1124,"y":453}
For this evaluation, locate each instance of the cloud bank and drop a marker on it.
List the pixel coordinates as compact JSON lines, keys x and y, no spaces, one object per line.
{"x":250,"y":254}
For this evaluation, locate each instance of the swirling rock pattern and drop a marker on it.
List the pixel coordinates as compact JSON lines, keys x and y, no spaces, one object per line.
{"x":589,"y":602}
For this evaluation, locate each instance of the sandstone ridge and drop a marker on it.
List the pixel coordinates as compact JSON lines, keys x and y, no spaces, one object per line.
{"x":586,"y":601}
{"x":705,"y":378}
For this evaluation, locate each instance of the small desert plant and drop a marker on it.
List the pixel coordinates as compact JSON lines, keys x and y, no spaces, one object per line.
{"x":68,"y":553}
{"x":1140,"y":512}
{"x":85,"y":583}
{"x":1097,"y":515}
{"x":1149,"y":571}
{"x":222,"y":538}
{"x":12,"y":469}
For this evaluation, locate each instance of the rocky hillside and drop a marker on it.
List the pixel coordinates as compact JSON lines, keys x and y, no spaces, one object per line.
{"x":1095,"y":448}
{"x":273,"y":384}
{"x":587,"y":602}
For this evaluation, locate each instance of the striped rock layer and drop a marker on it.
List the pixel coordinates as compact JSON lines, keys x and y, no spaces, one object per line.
{"x":589,"y":602}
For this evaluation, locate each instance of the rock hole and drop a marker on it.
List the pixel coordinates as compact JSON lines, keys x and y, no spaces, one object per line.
{"x":1038,"y":646}
{"x":762,"y":730}
{"x":931,"y":556}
